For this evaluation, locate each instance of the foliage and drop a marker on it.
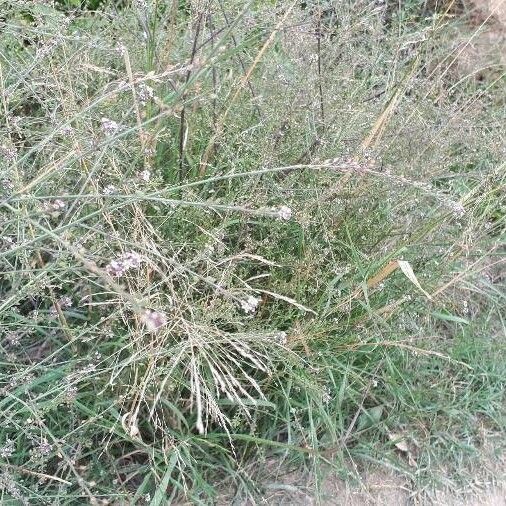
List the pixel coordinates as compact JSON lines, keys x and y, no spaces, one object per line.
{"x":206,"y":208}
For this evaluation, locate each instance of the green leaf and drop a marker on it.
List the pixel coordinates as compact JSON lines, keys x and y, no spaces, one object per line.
{"x":446,"y":316}
{"x":370,"y":417}
{"x":161,"y":491}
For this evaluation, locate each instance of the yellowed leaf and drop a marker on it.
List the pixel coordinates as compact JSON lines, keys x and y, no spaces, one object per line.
{"x":403,"y":446}
{"x":408,"y":272}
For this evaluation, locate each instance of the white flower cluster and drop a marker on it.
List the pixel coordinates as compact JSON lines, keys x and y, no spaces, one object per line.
{"x":6,"y":186}
{"x":144,"y":175}
{"x":281,"y":337}
{"x":8,"y":151}
{"x":284,"y":213}
{"x":110,"y":189}
{"x":250,"y":304}
{"x":141,"y":5}
{"x":13,"y":338}
{"x":8,"y":242}
{"x":7,"y":450}
{"x":65,"y":301}
{"x":458,"y":209}
{"x":53,"y":207}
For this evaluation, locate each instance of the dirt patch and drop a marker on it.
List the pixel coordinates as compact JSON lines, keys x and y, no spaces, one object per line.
{"x":382,"y":486}
{"x":495,"y":497}
{"x":378,"y":488}
{"x":493,"y":8}
{"x":485,"y":45}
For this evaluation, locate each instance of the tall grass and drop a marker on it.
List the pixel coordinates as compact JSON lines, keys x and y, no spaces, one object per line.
{"x":240,"y":233}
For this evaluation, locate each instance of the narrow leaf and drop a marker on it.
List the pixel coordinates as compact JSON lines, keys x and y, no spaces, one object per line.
{"x":408,"y":272}
{"x":161,"y":491}
{"x":289,"y":300}
{"x":449,"y":317}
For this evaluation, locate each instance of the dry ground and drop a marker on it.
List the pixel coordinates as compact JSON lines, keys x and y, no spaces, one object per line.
{"x":379,"y":488}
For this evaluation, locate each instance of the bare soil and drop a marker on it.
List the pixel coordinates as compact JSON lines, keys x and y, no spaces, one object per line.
{"x":485,"y":46}
{"x":377,"y":488}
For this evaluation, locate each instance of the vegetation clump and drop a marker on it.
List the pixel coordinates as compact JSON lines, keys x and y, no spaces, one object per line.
{"x":239,"y":233}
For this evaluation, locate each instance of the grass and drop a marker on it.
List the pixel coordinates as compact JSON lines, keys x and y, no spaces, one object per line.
{"x":238,"y":233}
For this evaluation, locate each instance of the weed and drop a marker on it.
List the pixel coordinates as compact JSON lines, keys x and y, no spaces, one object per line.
{"x":233,"y":233}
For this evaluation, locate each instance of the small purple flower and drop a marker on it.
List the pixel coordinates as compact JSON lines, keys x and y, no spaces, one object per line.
{"x":65,"y":301}
{"x":115,"y":268}
{"x":154,"y":320}
{"x":109,"y":126}
{"x":129,"y":260}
